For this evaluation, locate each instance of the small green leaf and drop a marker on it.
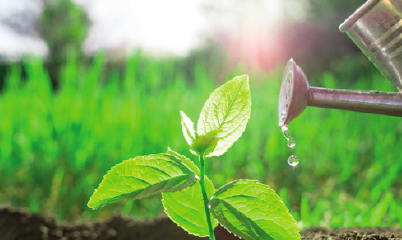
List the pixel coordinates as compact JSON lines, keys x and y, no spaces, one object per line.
{"x":187,"y":127}
{"x":227,"y":109}
{"x":204,"y":144}
{"x":142,"y":176}
{"x":186,"y":208}
{"x":253,"y":211}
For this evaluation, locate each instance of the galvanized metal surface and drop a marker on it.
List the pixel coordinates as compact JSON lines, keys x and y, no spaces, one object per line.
{"x":293,"y":95}
{"x":376,"y":28}
{"x":386,"y":103}
{"x":296,"y":94}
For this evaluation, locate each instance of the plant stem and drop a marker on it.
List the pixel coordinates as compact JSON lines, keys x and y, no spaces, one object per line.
{"x":206,"y":200}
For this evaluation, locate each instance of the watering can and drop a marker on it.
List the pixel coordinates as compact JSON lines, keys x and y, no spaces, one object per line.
{"x":376,"y":28}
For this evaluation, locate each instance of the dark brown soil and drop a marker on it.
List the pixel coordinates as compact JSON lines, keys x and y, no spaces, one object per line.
{"x":21,"y":225}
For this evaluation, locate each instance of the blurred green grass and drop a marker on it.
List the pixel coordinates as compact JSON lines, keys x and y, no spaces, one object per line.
{"x":55,"y":146}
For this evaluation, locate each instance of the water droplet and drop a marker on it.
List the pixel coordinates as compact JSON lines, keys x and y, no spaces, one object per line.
{"x":293,"y":161}
{"x":284,"y":128}
{"x":286,"y":134}
{"x":291,"y":142}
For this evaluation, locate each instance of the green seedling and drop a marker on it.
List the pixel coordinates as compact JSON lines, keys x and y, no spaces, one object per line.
{"x":248,"y":209}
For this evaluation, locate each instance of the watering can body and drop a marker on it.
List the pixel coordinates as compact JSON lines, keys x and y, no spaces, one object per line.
{"x":376,"y":28}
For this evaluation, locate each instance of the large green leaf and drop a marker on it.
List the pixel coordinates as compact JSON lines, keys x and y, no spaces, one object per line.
{"x":186,"y":208}
{"x":142,"y":176}
{"x":253,"y":211}
{"x":227,"y":110}
{"x":187,"y":127}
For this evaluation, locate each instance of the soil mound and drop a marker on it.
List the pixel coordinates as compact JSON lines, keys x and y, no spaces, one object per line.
{"x":19,"y":224}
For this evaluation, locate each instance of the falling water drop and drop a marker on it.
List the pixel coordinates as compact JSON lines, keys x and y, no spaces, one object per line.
{"x":293,"y":161}
{"x":286,"y":133}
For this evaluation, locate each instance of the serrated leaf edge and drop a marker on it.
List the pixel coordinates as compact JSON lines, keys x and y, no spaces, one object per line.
{"x":178,"y":161}
{"x":164,"y":210}
{"x":220,"y":152}
{"x":245,"y":217}
{"x":227,"y":186}
{"x":174,"y":153}
{"x":189,"y":132}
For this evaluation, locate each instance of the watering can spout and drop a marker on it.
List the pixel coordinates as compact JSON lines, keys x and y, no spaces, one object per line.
{"x":296,"y":94}
{"x":376,"y":28}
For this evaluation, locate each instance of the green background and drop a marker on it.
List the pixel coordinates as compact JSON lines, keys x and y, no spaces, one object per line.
{"x":55,"y":145}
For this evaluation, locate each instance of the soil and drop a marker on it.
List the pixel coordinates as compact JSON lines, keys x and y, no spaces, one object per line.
{"x":19,"y":224}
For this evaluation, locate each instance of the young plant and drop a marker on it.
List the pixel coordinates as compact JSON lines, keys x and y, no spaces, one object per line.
{"x":248,"y":209}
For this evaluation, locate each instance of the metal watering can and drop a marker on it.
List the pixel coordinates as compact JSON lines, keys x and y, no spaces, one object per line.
{"x":376,"y":28}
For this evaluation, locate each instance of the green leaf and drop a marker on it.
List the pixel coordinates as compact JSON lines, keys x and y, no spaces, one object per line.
{"x":186,"y":208}
{"x":253,"y":211}
{"x":142,"y":176}
{"x":205,"y":144}
{"x":227,"y":109}
{"x":187,"y":127}
{"x":190,"y":164}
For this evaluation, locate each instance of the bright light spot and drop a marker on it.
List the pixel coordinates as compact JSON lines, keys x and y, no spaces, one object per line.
{"x":252,"y":14}
{"x":14,"y":45}
{"x":157,"y":26}
{"x":175,"y":27}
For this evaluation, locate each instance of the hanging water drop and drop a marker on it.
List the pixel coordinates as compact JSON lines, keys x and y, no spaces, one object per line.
{"x":293,"y":161}
{"x":291,"y":142}
{"x":286,"y":134}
